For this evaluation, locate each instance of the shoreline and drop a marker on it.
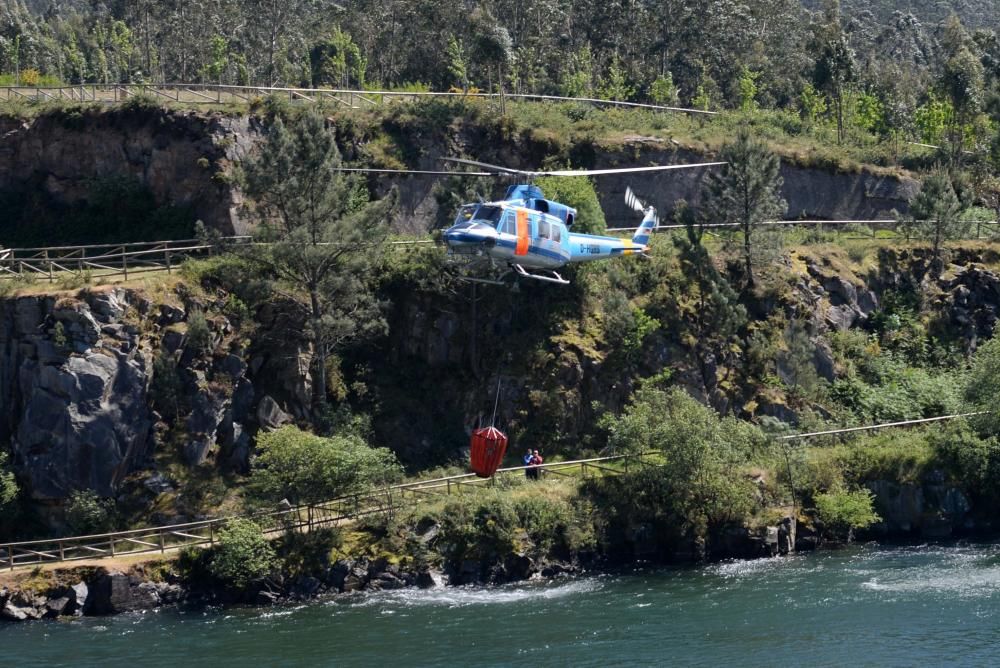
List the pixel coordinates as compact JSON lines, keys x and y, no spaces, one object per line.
{"x":153,"y":586}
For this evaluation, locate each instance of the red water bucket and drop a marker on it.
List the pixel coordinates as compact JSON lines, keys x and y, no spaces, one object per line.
{"x":488,"y":447}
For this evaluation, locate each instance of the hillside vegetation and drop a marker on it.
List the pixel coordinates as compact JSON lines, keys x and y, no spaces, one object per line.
{"x":325,"y":361}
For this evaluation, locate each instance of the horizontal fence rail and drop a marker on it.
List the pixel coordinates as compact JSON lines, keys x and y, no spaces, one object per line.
{"x":878,"y":427}
{"x":223,"y":94}
{"x":299,"y":518}
{"x":104,"y":260}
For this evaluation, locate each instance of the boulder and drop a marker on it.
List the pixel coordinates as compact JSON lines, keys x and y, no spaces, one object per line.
{"x":109,"y":305}
{"x":841,"y":291}
{"x":79,"y":593}
{"x":841,"y":317}
{"x":355,"y":580}
{"x":173,"y":340}
{"x":337,"y":574}
{"x":386,"y":581}
{"x":57,"y":607}
{"x":79,"y":324}
{"x":306,"y":587}
{"x":14,"y":613}
{"x":270,"y":415}
{"x":111,"y":594}
{"x":170,"y":315}
{"x":203,"y":426}
{"x":519,"y":567}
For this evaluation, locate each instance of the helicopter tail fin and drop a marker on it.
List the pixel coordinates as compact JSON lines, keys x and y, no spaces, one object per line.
{"x":650,"y":219}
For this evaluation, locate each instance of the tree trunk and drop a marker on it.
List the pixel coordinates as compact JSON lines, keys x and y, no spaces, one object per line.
{"x":747,"y":254}
{"x":320,"y":350}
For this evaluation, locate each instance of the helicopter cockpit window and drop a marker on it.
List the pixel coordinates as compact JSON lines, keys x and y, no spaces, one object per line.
{"x":556,"y":234}
{"x":489,"y":214}
{"x":466,"y":213}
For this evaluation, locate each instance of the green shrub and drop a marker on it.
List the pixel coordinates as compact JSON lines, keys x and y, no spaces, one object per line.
{"x":307,"y":553}
{"x":305,"y":468}
{"x":87,"y":513}
{"x":243,"y":554}
{"x":970,"y":459}
{"x":8,"y":485}
{"x":842,"y":511}
{"x":199,"y":336}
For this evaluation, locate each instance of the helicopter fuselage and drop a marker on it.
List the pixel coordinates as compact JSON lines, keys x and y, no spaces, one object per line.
{"x":511,"y":232}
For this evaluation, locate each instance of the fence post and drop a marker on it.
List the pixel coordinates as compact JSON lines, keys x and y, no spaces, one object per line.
{"x":167,"y":256}
{"x":211,"y":533}
{"x":49,"y":263}
{"x":62,"y":554}
{"x":124,"y":263}
{"x":163,"y":547}
{"x":111,"y":544}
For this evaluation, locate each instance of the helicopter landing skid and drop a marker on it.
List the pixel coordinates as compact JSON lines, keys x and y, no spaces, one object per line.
{"x":486,"y":281}
{"x":553,"y":278}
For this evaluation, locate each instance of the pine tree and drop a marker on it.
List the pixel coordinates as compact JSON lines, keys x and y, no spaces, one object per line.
{"x":936,"y":215}
{"x":746,"y":191}
{"x":323,"y":238}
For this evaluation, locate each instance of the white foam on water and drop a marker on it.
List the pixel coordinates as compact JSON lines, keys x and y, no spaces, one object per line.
{"x":741,"y":568}
{"x":457,"y":597}
{"x":968,"y":582}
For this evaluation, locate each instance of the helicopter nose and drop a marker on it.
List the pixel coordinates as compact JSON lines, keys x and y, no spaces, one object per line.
{"x":471,"y":235}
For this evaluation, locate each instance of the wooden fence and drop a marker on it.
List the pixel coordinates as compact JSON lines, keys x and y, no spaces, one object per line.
{"x":102,"y":260}
{"x":203,"y":94}
{"x":301,"y":518}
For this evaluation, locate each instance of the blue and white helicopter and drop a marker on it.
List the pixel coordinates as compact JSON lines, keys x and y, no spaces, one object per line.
{"x":529,"y":236}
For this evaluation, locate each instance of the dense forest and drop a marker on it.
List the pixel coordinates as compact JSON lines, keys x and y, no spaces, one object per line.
{"x":889,"y":62}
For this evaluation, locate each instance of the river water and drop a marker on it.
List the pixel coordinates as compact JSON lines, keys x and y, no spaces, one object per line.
{"x":884,"y":606}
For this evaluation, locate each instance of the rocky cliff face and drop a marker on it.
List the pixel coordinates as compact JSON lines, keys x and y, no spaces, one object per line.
{"x":182,"y":158}
{"x":73,"y":381}
{"x":811,"y":193}
{"x":93,"y":385}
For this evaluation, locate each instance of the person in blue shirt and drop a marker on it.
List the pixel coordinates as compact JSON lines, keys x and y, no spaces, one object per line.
{"x":527,"y":458}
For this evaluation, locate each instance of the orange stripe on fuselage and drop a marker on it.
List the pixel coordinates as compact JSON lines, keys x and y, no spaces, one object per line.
{"x":523,"y":233}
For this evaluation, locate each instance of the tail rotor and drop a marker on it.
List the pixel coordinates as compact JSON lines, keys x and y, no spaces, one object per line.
{"x":650,"y":220}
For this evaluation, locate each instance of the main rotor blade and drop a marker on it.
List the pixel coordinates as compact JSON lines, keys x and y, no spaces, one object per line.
{"x":498,"y":169}
{"x":578,"y":172}
{"x":625,"y":170}
{"x":372,"y":170}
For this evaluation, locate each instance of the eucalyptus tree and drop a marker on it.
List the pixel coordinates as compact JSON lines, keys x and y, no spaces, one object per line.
{"x":962,"y":82}
{"x":324,"y":235}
